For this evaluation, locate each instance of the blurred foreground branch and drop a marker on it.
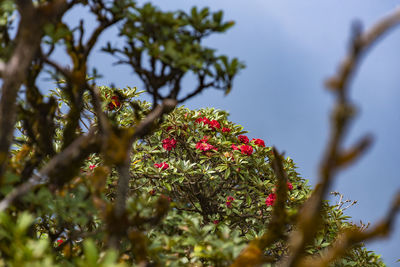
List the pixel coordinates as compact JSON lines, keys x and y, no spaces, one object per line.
{"x":253,"y":254}
{"x":349,"y":237}
{"x":335,"y":156}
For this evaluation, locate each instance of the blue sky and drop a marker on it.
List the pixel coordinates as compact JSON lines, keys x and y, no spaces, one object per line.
{"x":290,"y":47}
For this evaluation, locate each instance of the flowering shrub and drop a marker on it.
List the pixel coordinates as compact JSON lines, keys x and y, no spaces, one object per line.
{"x":220,"y":186}
{"x":198,"y":193}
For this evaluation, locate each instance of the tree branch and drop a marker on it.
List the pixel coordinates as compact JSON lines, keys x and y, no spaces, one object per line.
{"x":2,"y":68}
{"x":309,"y":221}
{"x":63,"y":161}
{"x":144,"y":128}
{"x":30,"y":32}
{"x":253,"y":254}
{"x":361,"y":44}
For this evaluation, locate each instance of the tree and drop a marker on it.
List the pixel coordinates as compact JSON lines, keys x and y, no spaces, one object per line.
{"x":95,"y":176}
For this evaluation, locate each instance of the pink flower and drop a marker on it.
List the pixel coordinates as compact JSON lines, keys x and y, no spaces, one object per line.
{"x":215,"y":222}
{"x":258,"y":142}
{"x":243,"y":139}
{"x":162,"y":165}
{"x":270,"y":200}
{"x":169,"y":143}
{"x":246,"y":149}
{"x":225,"y":130}
{"x":214,"y":124}
{"x":289,"y":186}
{"x":234,"y":147}
{"x":91,"y":167}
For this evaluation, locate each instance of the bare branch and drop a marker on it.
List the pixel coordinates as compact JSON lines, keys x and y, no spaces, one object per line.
{"x":96,"y":33}
{"x":360,"y":45}
{"x":348,"y":157}
{"x":64,"y":71}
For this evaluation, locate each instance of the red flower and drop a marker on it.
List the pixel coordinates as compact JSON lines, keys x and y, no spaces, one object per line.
{"x":289,"y":186}
{"x":205,"y":139}
{"x":203,"y":120}
{"x":59,"y":241}
{"x":229,"y":201}
{"x":214,"y":124}
{"x":168,"y":143}
{"x":215,"y":222}
{"x":258,"y":142}
{"x":168,"y":128}
{"x":114,"y":103}
{"x":246,"y":149}
{"x":91,"y":167}
{"x":243,"y":139}
{"x":225,"y":130}
{"x":234,"y":147}
{"x":270,"y":200}
{"x":162,"y":165}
